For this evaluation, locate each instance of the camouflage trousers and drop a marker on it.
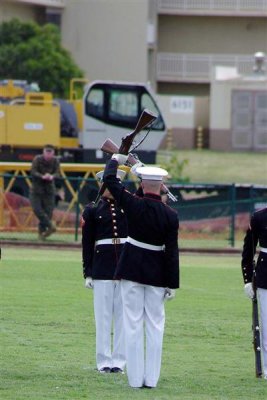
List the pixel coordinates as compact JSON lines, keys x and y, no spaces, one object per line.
{"x":43,"y":205}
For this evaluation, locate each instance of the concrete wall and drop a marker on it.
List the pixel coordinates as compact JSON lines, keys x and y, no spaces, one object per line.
{"x":220,"y":105}
{"x":107,"y":38}
{"x":183,"y":114}
{"x":191,"y":34}
{"x":24,"y":12}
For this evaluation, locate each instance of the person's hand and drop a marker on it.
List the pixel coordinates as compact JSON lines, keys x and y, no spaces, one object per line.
{"x":248,"y":289}
{"x":47,"y":177}
{"x":169,"y":294}
{"x":134,"y":168}
{"x":121,"y":158}
{"x":89,"y":283}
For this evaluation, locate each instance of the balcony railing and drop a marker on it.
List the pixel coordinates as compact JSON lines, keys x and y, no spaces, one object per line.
{"x":47,"y":3}
{"x":177,"y":67}
{"x":247,"y":7}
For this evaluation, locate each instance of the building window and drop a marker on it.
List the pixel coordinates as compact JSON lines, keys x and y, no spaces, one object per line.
{"x":53,"y":16}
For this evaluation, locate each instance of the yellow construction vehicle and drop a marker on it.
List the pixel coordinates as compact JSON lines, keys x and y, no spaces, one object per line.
{"x":77,"y":127}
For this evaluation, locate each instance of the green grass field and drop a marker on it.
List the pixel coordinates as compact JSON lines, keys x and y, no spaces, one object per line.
{"x":48,"y":335}
{"x":208,"y":166}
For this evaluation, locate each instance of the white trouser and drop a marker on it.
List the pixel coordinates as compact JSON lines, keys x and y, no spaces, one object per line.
{"x":143,"y":315}
{"x":108,"y":309}
{"x":262,"y":297}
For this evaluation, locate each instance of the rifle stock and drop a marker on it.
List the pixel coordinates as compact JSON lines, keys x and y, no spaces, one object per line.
{"x":256,"y":330}
{"x":256,"y":338}
{"x":110,"y":147}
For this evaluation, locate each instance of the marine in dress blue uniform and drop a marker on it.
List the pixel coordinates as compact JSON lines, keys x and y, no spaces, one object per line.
{"x":148,"y":269}
{"x":257,"y":235}
{"x":104,"y":232}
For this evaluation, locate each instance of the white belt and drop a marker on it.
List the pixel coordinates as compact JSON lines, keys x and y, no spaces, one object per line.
{"x":263,"y":249}
{"x":110,"y":241}
{"x":144,"y":245}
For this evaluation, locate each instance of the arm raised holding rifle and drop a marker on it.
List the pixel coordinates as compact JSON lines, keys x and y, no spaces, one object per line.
{"x":146,"y":120}
{"x":255,"y":280}
{"x":111,"y":148}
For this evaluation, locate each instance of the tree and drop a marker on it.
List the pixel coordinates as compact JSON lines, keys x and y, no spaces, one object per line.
{"x":34,"y":53}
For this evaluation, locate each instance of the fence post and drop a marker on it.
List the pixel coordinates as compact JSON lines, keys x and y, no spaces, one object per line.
{"x":233,"y":212}
{"x":2,"y":190}
{"x":169,"y":139}
{"x":77,"y":220}
{"x":199,"y":141}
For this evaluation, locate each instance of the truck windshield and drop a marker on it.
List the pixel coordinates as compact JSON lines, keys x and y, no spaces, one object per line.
{"x":120,"y":105}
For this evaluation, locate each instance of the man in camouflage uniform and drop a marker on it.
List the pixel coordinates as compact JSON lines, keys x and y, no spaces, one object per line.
{"x":45,"y":167}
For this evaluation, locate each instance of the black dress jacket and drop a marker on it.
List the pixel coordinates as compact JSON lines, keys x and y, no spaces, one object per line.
{"x":151,"y":222}
{"x":106,"y":221}
{"x":256,"y":235}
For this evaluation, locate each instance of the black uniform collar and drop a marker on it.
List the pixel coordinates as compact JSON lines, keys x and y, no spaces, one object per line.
{"x":152,"y":196}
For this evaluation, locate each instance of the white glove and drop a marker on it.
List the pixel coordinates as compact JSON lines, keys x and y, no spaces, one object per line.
{"x":169,"y":294}
{"x":89,"y":283}
{"x":135,"y":166}
{"x":248,"y":289}
{"x":121,"y":158}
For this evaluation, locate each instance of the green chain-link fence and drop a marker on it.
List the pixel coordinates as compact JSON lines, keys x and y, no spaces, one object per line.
{"x":211,"y":215}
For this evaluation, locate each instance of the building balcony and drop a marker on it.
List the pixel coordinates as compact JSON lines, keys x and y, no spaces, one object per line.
{"x":197,"y":68}
{"x":239,"y":8}
{"x":44,"y":3}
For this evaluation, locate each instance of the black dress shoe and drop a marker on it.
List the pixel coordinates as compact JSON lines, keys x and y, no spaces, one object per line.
{"x":147,"y":387}
{"x":116,"y":370}
{"x":104,"y":370}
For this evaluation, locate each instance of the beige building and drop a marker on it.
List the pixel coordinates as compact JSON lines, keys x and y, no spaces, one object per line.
{"x":194,"y":36}
{"x":174,"y":44}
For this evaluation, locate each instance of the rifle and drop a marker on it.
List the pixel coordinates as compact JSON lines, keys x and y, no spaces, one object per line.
{"x":110,"y":147}
{"x":145,"y":119}
{"x":256,"y":329}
